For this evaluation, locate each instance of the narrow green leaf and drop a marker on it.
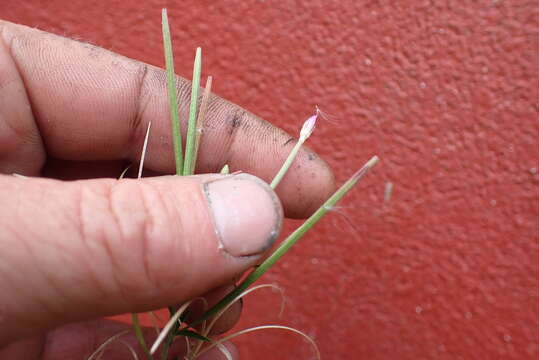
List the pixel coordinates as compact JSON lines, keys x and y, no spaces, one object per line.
{"x":289,"y":241}
{"x":192,"y":334}
{"x":188,"y":166}
{"x":172,"y":97}
{"x":168,"y":342}
{"x":140,"y":336}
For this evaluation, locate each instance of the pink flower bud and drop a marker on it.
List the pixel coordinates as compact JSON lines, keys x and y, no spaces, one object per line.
{"x":308,"y":127}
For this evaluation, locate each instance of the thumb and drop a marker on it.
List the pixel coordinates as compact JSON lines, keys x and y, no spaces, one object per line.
{"x":83,"y":249}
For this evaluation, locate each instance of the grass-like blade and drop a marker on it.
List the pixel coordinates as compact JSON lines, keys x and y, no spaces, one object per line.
{"x":172,"y":97}
{"x":140,"y":336}
{"x":189,"y":163}
{"x":192,"y":334}
{"x":167,"y":334}
{"x":263,"y":327}
{"x":289,"y":241}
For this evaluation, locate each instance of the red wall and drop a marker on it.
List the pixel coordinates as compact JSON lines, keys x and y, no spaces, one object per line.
{"x":445,"y":92}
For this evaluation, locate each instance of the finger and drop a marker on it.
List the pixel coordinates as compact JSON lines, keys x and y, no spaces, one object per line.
{"x":81,"y":340}
{"x":84,"y":249}
{"x":29,"y":349}
{"x":78,"y":170}
{"x":91,"y":104}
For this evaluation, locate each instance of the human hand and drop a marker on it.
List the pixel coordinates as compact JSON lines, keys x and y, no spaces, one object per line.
{"x":80,"y":250}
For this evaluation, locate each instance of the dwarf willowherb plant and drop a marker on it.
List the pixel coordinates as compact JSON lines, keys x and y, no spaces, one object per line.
{"x":199,"y":329}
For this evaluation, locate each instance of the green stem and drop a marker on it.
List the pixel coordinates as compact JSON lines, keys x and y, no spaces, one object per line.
{"x":140,"y":336}
{"x":172,"y":97}
{"x":188,"y":166}
{"x":170,"y":336}
{"x":289,"y":241}
{"x":288,"y":162}
{"x":168,"y":342}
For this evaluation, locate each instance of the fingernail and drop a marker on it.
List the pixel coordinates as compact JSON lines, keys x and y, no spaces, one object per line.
{"x":246,"y":212}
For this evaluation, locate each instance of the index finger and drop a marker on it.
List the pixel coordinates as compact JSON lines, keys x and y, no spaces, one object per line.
{"x":74,"y":101}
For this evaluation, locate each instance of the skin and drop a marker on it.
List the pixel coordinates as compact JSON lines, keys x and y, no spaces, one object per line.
{"x":70,"y":110}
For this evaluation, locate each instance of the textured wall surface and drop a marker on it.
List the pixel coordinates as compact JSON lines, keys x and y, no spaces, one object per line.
{"x":445,"y":92}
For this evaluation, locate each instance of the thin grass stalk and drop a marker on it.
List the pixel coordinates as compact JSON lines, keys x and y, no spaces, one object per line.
{"x":288,"y":162}
{"x":289,"y":241}
{"x":262,"y":327}
{"x":172,"y":97}
{"x":206,"y":330}
{"x":124,"y":172}
{"x":144,"y":148}
{"x":155,"y":323}
{"x":102,"y":347}
{"x":140,"y":336}
{"x":134,"y":316}
{"x":242,"y":295}
{"x":20,"y":176}
{"x":130,"y":348}
{"x":168,"y":342}
{"x":169,"y":331}
{"x":189,"y":163}
{"x":200,"y":119}
{"x":306,"y":131}
{"x":223,"y":349}
{"x":167,"y":334}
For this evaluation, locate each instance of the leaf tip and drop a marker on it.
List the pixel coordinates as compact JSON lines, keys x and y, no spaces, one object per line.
{"x":365,"y":168}
{"x":373,"y":161}
{"x":225,"y":170}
